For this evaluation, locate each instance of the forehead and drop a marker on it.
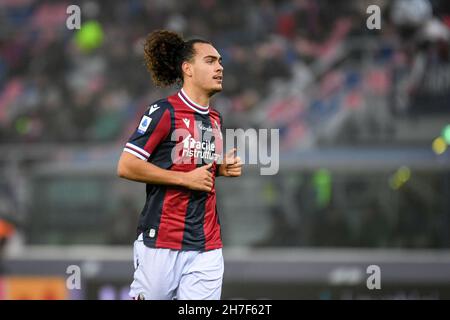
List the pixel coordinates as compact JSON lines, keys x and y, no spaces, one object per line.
{"x":205,"y":49}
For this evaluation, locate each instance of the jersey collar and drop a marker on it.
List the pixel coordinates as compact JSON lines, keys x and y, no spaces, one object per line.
{"x":191,"y":104}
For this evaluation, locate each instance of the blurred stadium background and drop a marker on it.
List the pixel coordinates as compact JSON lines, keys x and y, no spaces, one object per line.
{"x":364,"y":119}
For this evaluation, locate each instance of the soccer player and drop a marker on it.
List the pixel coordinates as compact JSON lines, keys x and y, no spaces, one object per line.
{"x":176,"y":150}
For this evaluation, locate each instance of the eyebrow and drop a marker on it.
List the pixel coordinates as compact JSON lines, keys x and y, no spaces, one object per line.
{"x":214,"y":57}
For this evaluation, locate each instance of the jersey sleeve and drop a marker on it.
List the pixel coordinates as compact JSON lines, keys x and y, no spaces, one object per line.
{"x":153,"y":129}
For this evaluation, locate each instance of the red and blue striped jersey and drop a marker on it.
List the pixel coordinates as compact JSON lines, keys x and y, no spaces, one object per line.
{"x":177,"y":134}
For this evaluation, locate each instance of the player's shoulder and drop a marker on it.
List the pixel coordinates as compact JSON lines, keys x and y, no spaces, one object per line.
{"x":213,"y":111}
{"x":158,"y":107}
{"x":216,"y":114}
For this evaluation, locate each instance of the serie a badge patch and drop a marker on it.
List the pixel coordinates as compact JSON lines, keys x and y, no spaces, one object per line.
{"x":145,"y":122}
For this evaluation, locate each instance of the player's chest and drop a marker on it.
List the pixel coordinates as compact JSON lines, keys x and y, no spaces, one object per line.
{"x":201,"y":127}
{"x":198,"y":137}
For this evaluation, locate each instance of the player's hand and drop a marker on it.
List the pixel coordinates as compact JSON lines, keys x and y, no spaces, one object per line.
{"x":232,"y":165}
{"x":200,"y":179}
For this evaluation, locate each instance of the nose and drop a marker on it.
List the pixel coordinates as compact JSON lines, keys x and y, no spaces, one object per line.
{"x":219,"y":67}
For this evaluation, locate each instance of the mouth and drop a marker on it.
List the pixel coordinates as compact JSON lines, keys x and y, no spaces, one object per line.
{"x":218,"y":78}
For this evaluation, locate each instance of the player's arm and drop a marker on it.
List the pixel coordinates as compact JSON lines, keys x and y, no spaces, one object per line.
{"x":153,"y":129}
{"x":132,"y":168}
{"x":232,"y":164}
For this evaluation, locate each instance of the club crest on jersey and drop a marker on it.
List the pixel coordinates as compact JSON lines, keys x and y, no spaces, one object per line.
{"x":153,"y":108}
{"x":143,"y":126}
{"x":187,"y":122}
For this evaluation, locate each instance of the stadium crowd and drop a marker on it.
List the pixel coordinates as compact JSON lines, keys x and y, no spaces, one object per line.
{"x":55,"y":89}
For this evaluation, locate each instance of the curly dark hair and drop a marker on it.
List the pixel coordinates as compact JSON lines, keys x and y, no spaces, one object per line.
{"x":164,"y":53}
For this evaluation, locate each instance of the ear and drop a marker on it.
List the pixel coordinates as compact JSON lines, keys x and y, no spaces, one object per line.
{"x":187,"y":68}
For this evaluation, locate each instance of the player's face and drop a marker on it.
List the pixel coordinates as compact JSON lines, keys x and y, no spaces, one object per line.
{"x":207,"y":70}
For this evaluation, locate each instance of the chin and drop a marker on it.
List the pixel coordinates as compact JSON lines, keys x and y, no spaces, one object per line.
{"x":215,"y":90}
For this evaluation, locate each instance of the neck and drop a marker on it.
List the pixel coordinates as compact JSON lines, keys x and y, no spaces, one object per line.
{"x":198,"y":96}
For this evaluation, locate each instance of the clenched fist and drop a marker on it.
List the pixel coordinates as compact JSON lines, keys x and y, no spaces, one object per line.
{"x":232,"y":165}
{"x":199,"y":179}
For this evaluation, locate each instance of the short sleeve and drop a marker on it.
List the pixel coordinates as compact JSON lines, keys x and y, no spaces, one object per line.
{"x":153,"y":128}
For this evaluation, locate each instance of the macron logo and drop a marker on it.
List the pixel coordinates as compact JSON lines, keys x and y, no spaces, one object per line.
{"x":153,"y":108}
{"x":186,"y":122}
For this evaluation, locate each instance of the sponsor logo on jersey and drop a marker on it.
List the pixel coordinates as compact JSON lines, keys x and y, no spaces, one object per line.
{"x":199,"y":149}
{"x":203,"y":128}
{"x":187,"y":122}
